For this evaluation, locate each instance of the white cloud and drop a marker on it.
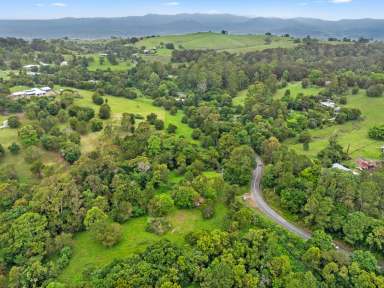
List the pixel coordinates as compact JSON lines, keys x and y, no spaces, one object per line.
{"x":172,"y":3}
{"x":39,"y":5}
{"x":59,"y":4}
{"x":340,"y":1}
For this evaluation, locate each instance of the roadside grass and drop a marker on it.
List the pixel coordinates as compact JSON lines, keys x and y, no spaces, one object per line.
{"x":353,"y":136}
{"x":96,"y":64}
{"x":135,"y":239}
{"x":217,"y":41}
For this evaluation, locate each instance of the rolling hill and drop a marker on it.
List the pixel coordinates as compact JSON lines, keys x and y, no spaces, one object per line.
{"x":91,"y":28}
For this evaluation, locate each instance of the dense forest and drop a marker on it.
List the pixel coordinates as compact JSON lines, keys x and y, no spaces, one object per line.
{"x":94,"y":166}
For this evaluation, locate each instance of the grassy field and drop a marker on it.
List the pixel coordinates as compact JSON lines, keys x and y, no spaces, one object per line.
{"x":216,"y":41}
{"x":9,"y":136}
{"x":296,"y":89}
{"x":135,"y":239}
{"x":96,"y":65}
{"x":142,"y":106}
{"x":352,"y":134}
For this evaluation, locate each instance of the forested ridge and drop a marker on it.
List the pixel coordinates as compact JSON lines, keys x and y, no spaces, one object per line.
{"x":123,"y":136}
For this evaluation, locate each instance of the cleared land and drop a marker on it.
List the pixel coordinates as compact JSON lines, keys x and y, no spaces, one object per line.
{"x":97,"y":64}
{"x":141,"y":106}
{"x":295,"y":89}
{"x":9,"y":136}
{"x":216,"y":41}
{"x":352,"y":134}
{"x":135,"y":239}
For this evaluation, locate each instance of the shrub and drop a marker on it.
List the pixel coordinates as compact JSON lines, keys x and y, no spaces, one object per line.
{"x":105,"y":111}
{"x":158,"y":226}
{"x":208,"y":210}
{"x":375,"y":90}
{"x":13,"y":122}
{"x":160,"y":205}
{"x":171,"y":129}
{"x":159,"y":124}
{"x":14,"y":148}
{"x":108,"y":234}
{"x":71,"y":152}
{"x":376,"y":132}
{"x":185,"y":197}
{"x":96,"y":125}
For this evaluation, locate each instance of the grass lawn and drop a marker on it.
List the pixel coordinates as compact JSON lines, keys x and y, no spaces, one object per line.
{"x":142,"y":106}
{"x":96,"y":65}
{"x":352,"y":134}
{"x":217,"y":41}
{"x":296,"y":88}
{"x":19,"y":88}
{"x":135,"y":239}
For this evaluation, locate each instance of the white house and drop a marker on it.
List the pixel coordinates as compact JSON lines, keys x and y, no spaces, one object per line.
{"x":31,"y":66}
{"x":328,"y":103}
{"x":46,"y":89}
{"x":34,"y":92}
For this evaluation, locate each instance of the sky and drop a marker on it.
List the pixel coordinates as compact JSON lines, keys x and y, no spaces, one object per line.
{"x":324,"y":9}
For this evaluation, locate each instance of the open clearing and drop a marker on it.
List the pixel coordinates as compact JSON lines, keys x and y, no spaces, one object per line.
{"x":295,"y":89}
{"x":142,"y":106}
{"x":214,"y":41}
{"x":352,"y":134}
{"x":96,"y":64}
{"x":135,"y":239}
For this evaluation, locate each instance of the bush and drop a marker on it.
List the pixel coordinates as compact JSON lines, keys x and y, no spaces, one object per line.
{"x":196,"y":134}
{"x":171,"y":129}
{"x":105,"y":111}
{"x":375,"y":90}
{"x":159,"y":124}
{"x":305,"y":137}
{"x":14,"y":148}
{"x":185,"y":197}
{"x":208,"y":210}
{"x":158,"y":226}
{"x":108,"y":234}
{"x":71,"y":152}
{"x":96,"y":125}
{"x":376,"y":132}
{"x":97,"y":99}
{"x":160,"y":205}
{"x":13,"y":122}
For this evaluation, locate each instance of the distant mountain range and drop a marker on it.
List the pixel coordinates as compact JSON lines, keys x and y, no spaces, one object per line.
{"x":92,"y":28}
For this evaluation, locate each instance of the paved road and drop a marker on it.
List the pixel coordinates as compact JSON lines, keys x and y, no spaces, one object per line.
{"x":257,"y":196}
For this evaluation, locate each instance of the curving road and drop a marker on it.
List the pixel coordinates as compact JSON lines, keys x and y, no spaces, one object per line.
{"x":257,"y":197}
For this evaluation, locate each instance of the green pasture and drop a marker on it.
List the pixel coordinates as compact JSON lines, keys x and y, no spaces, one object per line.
{"x":135,"y":239}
